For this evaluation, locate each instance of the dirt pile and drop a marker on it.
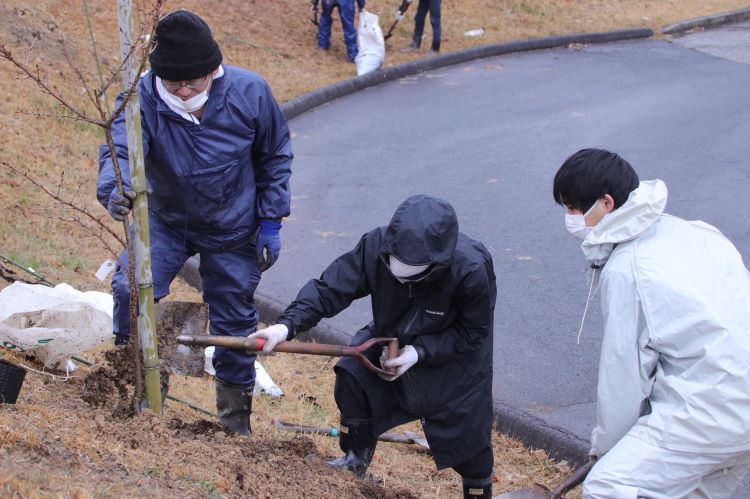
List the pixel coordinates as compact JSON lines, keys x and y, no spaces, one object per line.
{"x":52,"y":438}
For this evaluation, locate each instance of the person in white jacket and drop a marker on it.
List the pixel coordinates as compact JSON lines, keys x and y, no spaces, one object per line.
{"x":673,"y":402}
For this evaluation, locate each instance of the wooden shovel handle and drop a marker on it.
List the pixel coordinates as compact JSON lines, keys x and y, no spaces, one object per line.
{"x":392,"y":354}
{"x":253,"y":345}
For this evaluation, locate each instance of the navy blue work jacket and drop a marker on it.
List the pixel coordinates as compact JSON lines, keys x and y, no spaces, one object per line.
{"x":216,"y":179}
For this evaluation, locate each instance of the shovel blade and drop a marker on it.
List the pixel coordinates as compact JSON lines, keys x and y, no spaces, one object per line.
{"x":421,"y":442}
{"x":534,"y":491}
{"x":175,"y":318}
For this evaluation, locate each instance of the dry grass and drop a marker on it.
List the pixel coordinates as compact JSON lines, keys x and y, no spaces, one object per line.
{"x":308,"y":385}
{"x":49,"y":428}
{"x":276,"y":40}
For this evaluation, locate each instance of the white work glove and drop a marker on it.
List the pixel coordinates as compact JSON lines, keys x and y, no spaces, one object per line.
{"x":406,"y":358}
{"x":273,"y":335}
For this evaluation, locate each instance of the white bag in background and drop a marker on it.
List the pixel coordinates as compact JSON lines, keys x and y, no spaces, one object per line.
{"x":370,"y":42}
{"x":53,"y":323}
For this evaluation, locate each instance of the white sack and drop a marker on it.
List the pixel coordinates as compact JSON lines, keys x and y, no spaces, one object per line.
{"x":263,"y":381}
{"x":370,"y":43}
{"x":53,"y":323}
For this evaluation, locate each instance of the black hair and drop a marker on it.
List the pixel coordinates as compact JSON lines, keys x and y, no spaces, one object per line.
{"x":589,"y":174}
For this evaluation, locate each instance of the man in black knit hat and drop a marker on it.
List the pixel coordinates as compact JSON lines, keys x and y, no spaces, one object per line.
{"x":218,"y":160}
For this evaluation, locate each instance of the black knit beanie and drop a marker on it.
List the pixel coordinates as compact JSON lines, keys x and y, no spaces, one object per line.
{"x":185,"y":48}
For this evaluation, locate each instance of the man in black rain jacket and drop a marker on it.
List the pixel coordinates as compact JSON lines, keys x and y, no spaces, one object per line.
{"x":433,"y":288}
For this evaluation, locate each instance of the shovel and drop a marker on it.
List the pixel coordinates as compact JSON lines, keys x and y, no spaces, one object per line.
{"x":253,"y":345}
{"x":399,"y":16}
{"x":406,"y":438}
{"x":174,"y":318}
{"x":314,"y":9}
{"x":537,"y":491}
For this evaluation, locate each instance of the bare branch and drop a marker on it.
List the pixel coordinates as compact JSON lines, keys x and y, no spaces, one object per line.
{"x":141,"y":46}
{"x":8,"y":56}
{"x":78,"y":73}
{"x":112,"y":251}
{"x":60,"y":184}
{"x":146,"y":43}
{"x":89,"y":230}
{"x":62,"y":117}
{"x":114,"y":75}
{"x":97,"y":220}
{"x":131,"y":90}
{"x":77,"y":194}
{"x":31,"y":47}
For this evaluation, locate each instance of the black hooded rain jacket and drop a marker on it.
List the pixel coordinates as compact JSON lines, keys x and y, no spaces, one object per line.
{"x":448,"y":312}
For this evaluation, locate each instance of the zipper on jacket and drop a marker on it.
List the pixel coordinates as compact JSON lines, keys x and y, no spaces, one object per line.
{"x":588,"y":300}
{"x":416,"y":313}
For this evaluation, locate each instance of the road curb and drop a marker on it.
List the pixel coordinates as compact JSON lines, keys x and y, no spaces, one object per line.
{"x":707,"y":21}
{"x":306,"y":102}
{"x":535,"y":433}
{"x":269,"y":308}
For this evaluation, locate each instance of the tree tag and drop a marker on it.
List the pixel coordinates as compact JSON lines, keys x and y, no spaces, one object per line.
{"x":105,"y":269}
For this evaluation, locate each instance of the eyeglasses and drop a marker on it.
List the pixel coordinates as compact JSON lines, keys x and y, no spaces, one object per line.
{"x":173,"y":86}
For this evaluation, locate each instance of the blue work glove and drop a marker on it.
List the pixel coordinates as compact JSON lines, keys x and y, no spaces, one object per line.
{"x":120,"y":205}
{"x":268,"y":244}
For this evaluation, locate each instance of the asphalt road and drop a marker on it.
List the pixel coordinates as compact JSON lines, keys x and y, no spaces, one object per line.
{"x":488,"y":136}
{"x":731,"y":42}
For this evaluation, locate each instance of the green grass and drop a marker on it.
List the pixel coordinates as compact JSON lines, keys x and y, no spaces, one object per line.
{"x":35,"y":264}
{"x":209,"y":487}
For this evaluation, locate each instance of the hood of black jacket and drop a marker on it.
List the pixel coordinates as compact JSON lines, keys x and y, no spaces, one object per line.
{"x":423,"y":231}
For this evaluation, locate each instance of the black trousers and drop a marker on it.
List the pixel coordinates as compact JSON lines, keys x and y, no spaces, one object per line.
{"x":433,"y":7}
{"x":356,"y":412}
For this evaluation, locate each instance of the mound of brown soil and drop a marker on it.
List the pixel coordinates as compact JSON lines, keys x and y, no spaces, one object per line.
{"x":52,"y":438}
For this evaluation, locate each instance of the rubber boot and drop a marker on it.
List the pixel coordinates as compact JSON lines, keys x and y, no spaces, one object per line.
{"x":234,"y":404}
{"x":358,"y":444}
{"x":477,"y":489}
{"x":121,"y":339}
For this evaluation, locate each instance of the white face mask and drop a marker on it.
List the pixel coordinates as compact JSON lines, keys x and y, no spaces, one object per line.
{"x":403,"y":271}
{"x":576,"y":223}
{"x":189,"y":106}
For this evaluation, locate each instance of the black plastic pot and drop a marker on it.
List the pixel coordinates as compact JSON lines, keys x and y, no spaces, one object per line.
{"x":11,"y":379}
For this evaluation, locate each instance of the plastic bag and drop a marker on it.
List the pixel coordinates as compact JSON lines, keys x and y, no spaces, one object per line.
{"x":263,"y":381}
{"x":370,"y":43}
{"x":53,"y":323}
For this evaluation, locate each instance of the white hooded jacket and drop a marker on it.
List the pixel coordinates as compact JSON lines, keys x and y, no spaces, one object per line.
{"x":675,"y":359}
